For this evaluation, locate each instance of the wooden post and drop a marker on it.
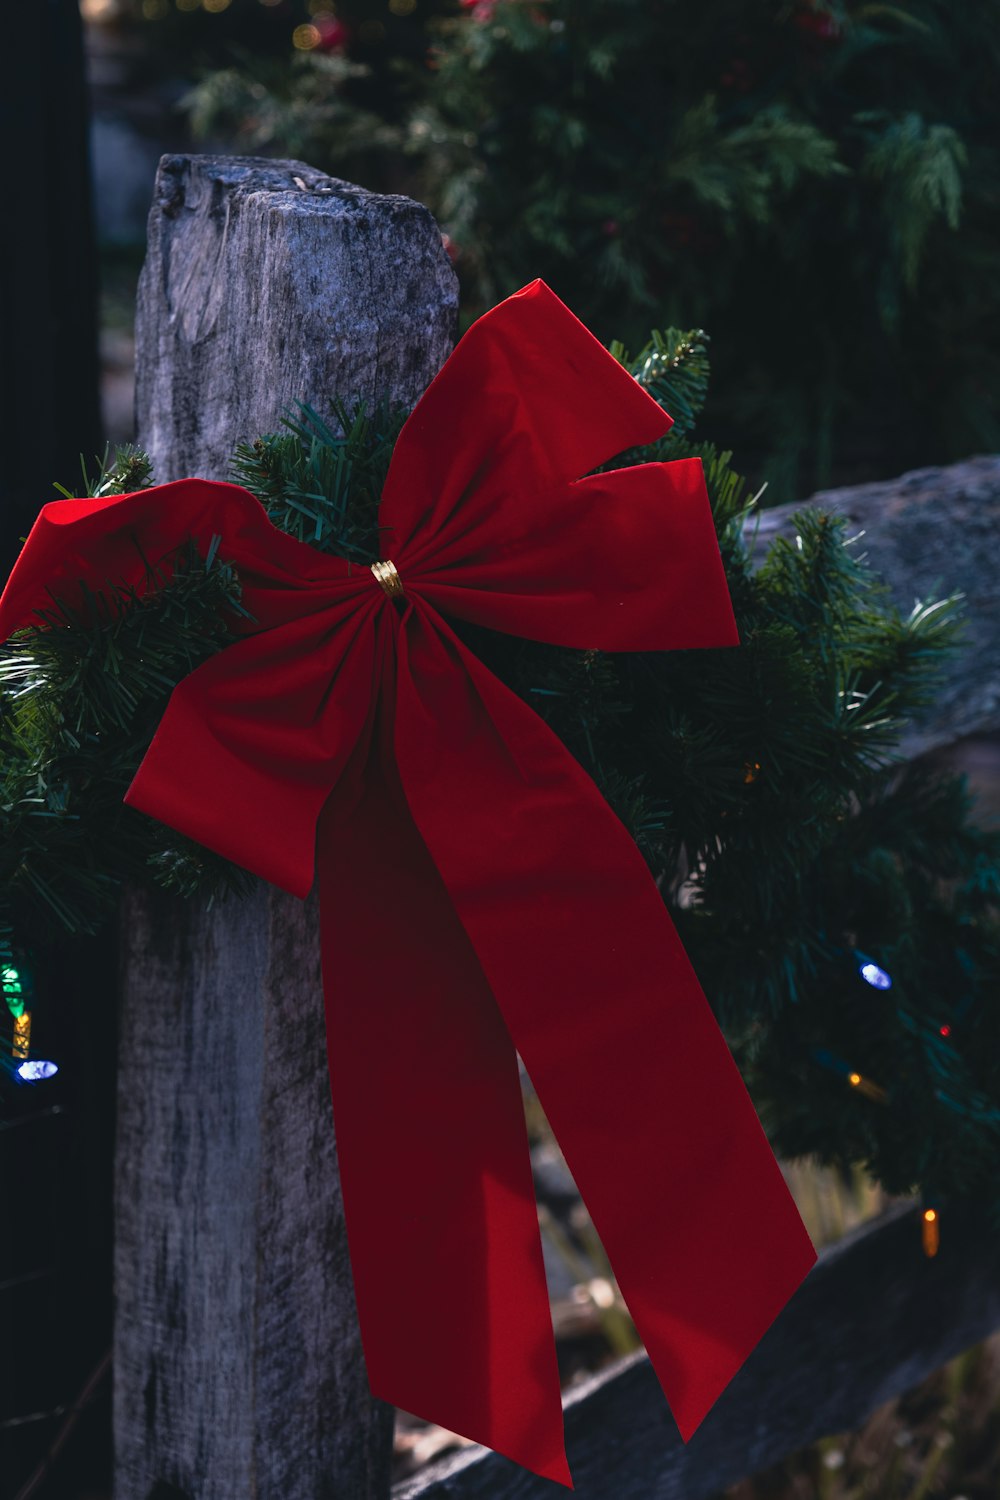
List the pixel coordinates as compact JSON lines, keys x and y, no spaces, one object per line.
{"x":238,"y":1367}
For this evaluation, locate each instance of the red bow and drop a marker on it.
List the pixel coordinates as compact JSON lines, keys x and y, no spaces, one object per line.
{"x":477,"y":893}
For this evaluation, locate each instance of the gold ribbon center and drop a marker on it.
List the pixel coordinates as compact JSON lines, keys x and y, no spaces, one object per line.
{"x":390,"y":580}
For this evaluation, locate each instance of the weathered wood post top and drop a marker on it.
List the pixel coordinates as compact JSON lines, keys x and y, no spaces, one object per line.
{"x":267,"y":282}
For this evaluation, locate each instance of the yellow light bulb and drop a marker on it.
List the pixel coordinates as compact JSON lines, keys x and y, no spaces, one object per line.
{"x":22,"y":1034}
{"x":930,"y":1233}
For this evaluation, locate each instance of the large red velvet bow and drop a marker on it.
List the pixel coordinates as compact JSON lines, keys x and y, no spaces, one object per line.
{"x":477,"y":894}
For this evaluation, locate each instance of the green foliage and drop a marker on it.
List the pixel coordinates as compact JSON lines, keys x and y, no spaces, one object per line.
{"x":124,"y":473}
{"x":322,"y":484}
{"x":763,"y":786}
{"x":673,"y":368}
{"x":741,"y":172}
{"x":817,"y":178}
{"x":918,"y":169}
{"x":80,"y":697}
{"x":278,"y":110}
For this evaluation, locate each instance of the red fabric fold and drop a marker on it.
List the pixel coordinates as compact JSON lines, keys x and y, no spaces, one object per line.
{"x":526,"y":403}
{"x":478,"y":897}
{"x":640,"y":1089}
{"x":276,"y":768}
{"x":431,"y":1136}
{"x":81,"y":547}
{"x":604,"y":565}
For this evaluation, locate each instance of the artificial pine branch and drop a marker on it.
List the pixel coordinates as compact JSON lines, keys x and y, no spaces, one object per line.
{"x":80,"y":697}
{"x":321,"y":483}
{"x":673,"y":368}
{"x":122,"y":473}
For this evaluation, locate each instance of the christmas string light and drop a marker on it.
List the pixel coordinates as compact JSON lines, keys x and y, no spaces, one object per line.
{"x":952,"y":1084}
{"x":930,"y":1232}
{"x":22,"y":1034}
{"x":873,"y":974}
{"x":37,"y":1069}
{"x":855,"y":1080}
{"x":866,"y":1087}
{"x":13,"y":990}
{"x":17,"y":985}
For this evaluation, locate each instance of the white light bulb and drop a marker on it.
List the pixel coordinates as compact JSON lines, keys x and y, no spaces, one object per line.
{"x":37,"y":1068}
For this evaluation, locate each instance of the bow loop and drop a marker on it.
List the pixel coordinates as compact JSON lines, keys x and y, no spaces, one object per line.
{"x":264,"y":730}
{"x":486,"y":505}
{"x":624,"y":561}
{"x":528,"y":402}
{"x":131,"y":542}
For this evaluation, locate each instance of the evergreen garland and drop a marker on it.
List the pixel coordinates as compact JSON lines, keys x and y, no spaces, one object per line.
{"x":819,"y":177}
{"x":80,"y":697}
{"x":763,"y":785}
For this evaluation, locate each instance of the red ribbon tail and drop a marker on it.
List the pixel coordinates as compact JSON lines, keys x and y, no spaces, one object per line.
{"x":605,"y":1009}
{"x":680,"y":1182}
{"x":431,"y":1140}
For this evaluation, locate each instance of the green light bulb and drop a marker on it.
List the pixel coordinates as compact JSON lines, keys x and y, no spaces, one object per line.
{"x":17,"y":988}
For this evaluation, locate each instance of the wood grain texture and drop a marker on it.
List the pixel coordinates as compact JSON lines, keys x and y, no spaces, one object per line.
{"x":267,"y":283}
{"x":872,"y":1319}
{"x":237,"y":1362}
{"x":930,"y":533}
{"x":238,"y":1369}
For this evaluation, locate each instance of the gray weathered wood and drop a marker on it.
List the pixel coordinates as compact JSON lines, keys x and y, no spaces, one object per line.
{"x":929,"y":533}
{"x":267,"y":282}
{"x":237,"y":1368}
{"x":873,"y":1318}
{"x":237,"y":1360}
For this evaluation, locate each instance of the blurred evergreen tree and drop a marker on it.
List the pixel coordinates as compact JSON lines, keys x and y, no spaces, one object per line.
{"x":268,"y":40}
{"x":818,"y":178}
{"x":48,"y":262}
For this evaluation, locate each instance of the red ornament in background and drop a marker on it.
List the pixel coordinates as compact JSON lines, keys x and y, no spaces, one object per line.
{"x":479,"y":10}
{"x":477,"y":893}
{"x":738,"y":76}
{"x":815,"y":21}
{"x":334,"y":34}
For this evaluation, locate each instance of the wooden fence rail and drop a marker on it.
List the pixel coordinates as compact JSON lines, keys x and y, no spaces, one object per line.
{"x":872,"y":1319}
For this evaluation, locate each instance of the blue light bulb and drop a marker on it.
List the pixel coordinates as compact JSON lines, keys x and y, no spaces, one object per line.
{"x":876,"y":977}
{"x":37,"y":1068}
